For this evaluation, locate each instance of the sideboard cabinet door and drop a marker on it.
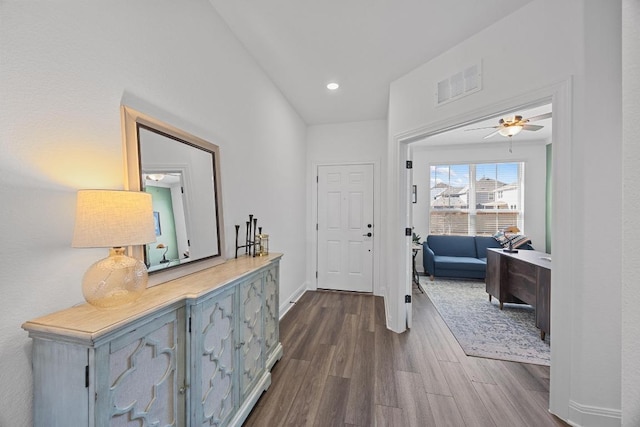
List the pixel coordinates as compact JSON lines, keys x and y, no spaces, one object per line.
{"x":229,"y":348}
{"x":128,"y":378}
{"x":273,"y":348}
{"x":140,"y":375}
{"x":213,"y":358}
{"x":251,"y":334}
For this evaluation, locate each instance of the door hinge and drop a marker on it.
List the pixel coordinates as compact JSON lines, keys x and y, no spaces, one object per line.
{"x":317,"y":179}
{"x":316,"y":274}
{"x":407,"y":231}
{"x":407,"y":299}
{"x":86,"y":376}
{"x":189,"y":324}
{"x":409,"y":164}
{"x":182,"y":190}
{"x":316,"y":226}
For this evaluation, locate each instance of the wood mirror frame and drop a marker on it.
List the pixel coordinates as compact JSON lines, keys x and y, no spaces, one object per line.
{"x":136,"y":124}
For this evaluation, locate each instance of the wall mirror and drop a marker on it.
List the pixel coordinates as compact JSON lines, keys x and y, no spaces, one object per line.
{"x":181,"y":172}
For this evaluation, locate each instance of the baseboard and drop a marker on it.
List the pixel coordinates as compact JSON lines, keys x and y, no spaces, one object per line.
{"x":386,"y":311}
{"x":389,"y":318}
{"x":584,"y":415}
{"x":286,"y":305}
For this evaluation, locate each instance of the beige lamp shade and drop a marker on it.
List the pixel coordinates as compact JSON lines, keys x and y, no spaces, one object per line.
{"x":113,"y":218}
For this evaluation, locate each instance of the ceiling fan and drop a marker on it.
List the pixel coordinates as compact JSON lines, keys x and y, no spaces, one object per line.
{"x":159,"y":176}
{"x":512,"y":125}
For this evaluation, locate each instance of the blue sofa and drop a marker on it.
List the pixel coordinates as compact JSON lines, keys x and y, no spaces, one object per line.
{"x":456,"y":256}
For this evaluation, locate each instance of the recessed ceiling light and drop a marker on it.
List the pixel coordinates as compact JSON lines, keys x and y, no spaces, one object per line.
{"x":333,"y":86}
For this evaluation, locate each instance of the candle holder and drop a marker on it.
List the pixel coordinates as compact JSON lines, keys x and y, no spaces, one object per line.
{"x":251,"y":245}
{"x":262,"y":243}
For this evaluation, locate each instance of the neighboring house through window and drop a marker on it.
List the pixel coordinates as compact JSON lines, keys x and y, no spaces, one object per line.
{"x":476,"y":199}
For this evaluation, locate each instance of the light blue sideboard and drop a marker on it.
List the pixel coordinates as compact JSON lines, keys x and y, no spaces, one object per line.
{"x":191,"y":352}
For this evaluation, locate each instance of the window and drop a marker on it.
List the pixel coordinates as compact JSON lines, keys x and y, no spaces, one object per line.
{"x":476,"y":199}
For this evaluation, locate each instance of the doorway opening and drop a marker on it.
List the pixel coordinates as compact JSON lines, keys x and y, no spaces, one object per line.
{"x":562,"y":212}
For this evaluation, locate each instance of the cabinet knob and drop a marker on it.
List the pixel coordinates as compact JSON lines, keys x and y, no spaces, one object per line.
{"x":182,"y":389}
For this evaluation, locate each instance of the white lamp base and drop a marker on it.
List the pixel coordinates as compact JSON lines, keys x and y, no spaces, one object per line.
{"x":115,"y":280}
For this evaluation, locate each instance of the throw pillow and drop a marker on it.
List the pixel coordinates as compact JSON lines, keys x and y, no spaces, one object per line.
{"x":517,"y":240}
{"x":501,"y":238}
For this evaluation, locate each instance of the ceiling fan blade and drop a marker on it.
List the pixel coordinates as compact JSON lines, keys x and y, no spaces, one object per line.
{"x":532,"y":127}
{"x":491,"y":134}
{"x":540,"y":117}
{"x":489,"y":127}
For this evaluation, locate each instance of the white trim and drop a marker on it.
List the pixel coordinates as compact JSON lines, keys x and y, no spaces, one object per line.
{"x":287,"y":305}
{"x":534,"y":98}
{"x":386,"y":313}
{"x":585,"y":415}
{"x":563,"y":227}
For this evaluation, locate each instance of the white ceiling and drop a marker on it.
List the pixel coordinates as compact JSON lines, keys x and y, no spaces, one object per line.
{"x":474,"y":133}
{"x":362,"y":44}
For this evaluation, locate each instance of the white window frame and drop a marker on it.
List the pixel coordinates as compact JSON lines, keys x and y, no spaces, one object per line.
{"x":471,"y":210}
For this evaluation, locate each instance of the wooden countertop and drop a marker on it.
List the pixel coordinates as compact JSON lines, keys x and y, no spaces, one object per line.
{"x":540,"y":259}
{"x":86,"y":323}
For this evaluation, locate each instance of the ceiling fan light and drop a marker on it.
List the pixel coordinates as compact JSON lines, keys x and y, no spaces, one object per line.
{"x":156,"y":176}
{"x":510,"y":130}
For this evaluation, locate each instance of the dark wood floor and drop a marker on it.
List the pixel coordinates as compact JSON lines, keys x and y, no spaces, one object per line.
{"x":343,"y":367}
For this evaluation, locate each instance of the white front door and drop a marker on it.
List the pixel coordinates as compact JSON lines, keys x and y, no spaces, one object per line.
{"x":345,"y":227}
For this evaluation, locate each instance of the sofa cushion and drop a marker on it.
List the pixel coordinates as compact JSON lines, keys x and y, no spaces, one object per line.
{"x":484,"y":242}
{"x":452,"y":246}
{"x":444,"y":262}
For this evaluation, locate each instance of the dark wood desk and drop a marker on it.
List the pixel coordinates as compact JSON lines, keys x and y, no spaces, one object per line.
{"x":522,"y":277}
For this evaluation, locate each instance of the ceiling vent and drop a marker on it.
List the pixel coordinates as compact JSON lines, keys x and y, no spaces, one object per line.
{"x":460,"y":84}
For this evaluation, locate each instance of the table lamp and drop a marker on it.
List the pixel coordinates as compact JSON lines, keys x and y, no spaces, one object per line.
{"x":513,"y":230}
{"x":164,"y":259}
{"x":113,"y":219}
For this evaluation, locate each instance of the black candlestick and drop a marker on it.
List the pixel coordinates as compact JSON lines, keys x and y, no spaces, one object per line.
{"x":237,"y":231}
{"x":255,"y":227}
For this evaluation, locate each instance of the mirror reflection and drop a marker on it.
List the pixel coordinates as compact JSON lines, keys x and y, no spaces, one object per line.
{"x":172,"y":241}
{"x":180,"y":171}
{"x":180,"y":177}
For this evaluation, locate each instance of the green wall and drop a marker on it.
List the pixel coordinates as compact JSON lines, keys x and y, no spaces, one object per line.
{"x":547,"y":227}
{"x":163,"y":205}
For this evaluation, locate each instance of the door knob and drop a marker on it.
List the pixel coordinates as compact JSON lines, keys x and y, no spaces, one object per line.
{"x":367,"y":235}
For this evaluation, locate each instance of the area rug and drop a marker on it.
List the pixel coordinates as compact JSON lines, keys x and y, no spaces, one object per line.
{"x":481,"y":328}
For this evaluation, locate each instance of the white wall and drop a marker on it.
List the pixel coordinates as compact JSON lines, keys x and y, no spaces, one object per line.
{"x":532,"y":154}
{"x":573,"y":54}
{"x":343,"y":143}
{"x":65,"y":68}
{"x":631,"y":206}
